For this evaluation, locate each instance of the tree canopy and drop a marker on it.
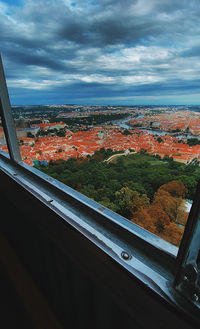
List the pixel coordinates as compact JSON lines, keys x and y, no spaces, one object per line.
{"x":140,"y":187}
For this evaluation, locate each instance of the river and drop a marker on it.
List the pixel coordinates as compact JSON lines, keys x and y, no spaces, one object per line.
{"x":124,"y":123}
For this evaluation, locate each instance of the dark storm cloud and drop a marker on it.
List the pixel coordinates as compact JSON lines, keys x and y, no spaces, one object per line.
{"x":78,"y":93}
{"x":33,"y":59}
{"x":114,"y":26}
{"x":114,"y":31}
{"x":106,"y":48}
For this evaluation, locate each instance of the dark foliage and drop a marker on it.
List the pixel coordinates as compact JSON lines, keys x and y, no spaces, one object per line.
{"x":102,"y":181}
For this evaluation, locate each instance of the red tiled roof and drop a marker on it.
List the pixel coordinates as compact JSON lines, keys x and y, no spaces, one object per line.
{"x":87,"y":142}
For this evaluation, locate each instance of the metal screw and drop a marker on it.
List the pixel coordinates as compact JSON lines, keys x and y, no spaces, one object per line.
{"x":125,"y":255}
{"x":185,"y":278}
{"x":195,"y":297}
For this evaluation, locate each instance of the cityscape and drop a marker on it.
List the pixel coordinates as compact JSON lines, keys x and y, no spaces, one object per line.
{"x":60,"y":132}
{"x":139,"y":161}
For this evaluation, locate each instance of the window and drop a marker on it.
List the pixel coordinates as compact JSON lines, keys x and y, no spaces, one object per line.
{"x":144,"y":165}
{"x":87,"y":215}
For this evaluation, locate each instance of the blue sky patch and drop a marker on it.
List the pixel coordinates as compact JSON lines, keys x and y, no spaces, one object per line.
{"x":17,"y":3}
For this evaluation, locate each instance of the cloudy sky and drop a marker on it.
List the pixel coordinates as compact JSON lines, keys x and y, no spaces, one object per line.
{"x":101,"y":51}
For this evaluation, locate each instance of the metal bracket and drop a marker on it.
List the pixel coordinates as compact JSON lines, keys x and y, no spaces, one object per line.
{"x":189,"y":286}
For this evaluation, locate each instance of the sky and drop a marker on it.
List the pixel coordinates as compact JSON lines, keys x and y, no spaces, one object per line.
{"x":118,"y":52}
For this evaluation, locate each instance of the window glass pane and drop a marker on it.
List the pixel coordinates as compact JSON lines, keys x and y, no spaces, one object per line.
{"x":141,"y":162}
{"x":139,"y":159}
{"x":3,"y":144}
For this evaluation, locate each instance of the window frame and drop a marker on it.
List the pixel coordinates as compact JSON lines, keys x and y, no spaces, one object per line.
{"x":145,"y":255}
{"x":7,"y":119}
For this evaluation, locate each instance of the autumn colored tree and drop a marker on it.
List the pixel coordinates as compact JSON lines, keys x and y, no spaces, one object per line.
{"x":143,"y":218}
{"x":155,"y":220}
{"x":182,"y":214}
{"x":159,"y":217}
{"x":167,"y":202}
{"x":172,"y":234}
{"x":175,"y":188}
